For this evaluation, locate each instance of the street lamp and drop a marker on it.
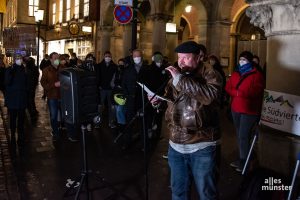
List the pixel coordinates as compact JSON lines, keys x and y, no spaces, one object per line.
{"x":39,"y":16}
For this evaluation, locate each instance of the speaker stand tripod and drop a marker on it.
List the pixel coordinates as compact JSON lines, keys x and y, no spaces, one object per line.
{"x":84,"y":178}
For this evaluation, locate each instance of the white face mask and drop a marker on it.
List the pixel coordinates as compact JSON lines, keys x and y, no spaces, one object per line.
{"x":242,"y":62}
{"x":137,"y":60}
{"x":158,"y":64}
{"x":19,"y":62}
{"x":107,"y":59}
{"x":56,"y":62}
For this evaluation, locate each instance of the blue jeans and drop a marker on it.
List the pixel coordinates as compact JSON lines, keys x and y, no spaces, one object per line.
{"x":54,"y":105}
{"x":120,"y":113}
{"x":244,"y":124}
{"x":200,"y":166}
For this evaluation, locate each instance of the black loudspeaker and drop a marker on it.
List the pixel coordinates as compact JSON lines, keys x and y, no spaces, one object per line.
{"x":79,"y":95}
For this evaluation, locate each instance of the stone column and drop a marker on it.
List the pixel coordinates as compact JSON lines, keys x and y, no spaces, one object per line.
{"x":127,"y":39}
{"x":105,"y":36}
{"x":159,"y":32}
{"x":280,"y":20}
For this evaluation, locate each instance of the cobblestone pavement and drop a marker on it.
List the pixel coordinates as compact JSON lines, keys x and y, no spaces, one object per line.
{"x":46,"y":169}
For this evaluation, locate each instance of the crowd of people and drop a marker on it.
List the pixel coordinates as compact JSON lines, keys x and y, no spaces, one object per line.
{"x":195,"y":88}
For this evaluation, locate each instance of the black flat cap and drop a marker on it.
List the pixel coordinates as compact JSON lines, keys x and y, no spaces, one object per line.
{"x":188,"y":47}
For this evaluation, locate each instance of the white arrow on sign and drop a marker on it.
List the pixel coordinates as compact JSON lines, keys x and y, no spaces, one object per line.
{"x":123,"y":2}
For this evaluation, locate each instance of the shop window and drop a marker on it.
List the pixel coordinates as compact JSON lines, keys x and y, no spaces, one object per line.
{"x":33,"y":5}
{"x":53,"y":13}
{"x":76,"y":9}
{"x":68,"y":10}
{"x":60,"y":17}
{"x":86,"y":7}
{"x":84,"y":47}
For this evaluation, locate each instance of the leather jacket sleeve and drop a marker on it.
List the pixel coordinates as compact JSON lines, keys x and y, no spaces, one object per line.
{"x":205,"y":87}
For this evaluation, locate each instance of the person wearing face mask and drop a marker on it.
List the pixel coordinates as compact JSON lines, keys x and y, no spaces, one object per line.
{"x":89,"y":63}
{"x":136,"y":71}
{"x":246,"y":88}
{"x":16,"y":100}
{"x":105,"y":71}
{"x":51,"y":84}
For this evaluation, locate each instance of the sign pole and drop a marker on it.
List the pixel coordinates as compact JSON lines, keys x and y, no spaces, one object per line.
{"x":134,"y":26}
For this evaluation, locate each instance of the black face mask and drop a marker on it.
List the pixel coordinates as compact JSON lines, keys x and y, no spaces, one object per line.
{"x":121,"y":66}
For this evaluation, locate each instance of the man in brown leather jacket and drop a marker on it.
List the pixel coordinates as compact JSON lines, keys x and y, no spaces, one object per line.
{"x":192,"y":118}
{"x":51,"y":85}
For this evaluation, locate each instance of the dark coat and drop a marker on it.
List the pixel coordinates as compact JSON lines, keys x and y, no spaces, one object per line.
{"x":16,"y":87}
{"x":105,"y":74}
{"x":32,"y":74}
{"x":45,"y":63}
{"x":155,"y":79}
{"x":132,"y":90}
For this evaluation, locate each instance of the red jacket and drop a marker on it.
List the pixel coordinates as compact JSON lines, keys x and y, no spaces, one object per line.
{"x":247,"y":97}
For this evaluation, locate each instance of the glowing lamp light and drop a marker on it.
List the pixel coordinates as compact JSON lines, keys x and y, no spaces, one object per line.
{"x":39,"y":15}
{"x":188,"y":8}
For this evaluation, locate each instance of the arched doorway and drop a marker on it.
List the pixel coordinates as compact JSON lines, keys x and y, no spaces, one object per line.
{"x":251,"y":38}
{"x":246,"y":36}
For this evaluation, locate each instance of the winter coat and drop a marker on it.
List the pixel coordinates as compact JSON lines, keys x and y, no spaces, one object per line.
{"x":50,"y":75}
{"x":16,"y":87}
{"x":105,"y":74}
{"x":246,"y":92}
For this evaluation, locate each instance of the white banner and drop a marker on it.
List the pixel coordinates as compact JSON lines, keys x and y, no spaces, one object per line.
{"x":281,"y":111}
{"x":123,"y":2}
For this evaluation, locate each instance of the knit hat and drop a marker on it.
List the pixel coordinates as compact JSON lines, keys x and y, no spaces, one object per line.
{"x":248,"y":55}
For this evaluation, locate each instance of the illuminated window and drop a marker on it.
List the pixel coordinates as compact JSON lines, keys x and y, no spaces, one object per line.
{"x":68,"y":10}
{"x":76,"y":10}
{"x":53,"y":13}
{"x":33,"y":5}
{"x":86,"y":7}
{"x":60,"y":11}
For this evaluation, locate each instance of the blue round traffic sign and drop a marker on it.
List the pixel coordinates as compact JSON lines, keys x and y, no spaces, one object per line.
{"x":123,"y":14}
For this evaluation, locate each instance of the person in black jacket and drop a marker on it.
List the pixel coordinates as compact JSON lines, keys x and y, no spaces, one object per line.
{"x":155,"y":79}
{"x":105,"y":73}
{"x":45,"y":63}
{"x":33,"y":80}
{"x":16,"y":100}
{"x":136,"y":71}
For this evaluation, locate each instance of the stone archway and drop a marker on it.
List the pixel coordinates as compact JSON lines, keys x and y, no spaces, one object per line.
{"x":244,"y":35}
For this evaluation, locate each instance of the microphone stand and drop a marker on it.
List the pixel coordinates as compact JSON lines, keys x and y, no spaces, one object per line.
{"x":145,"y":144}
{"x":140,"y":111}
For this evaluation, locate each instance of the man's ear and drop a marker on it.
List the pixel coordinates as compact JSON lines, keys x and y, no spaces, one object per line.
{"x":198,"y":58}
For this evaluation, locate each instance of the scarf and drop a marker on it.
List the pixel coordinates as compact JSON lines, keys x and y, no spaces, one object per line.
{"x":245,"y":68}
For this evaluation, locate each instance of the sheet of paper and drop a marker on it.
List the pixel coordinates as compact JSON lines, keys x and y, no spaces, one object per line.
{"x":150,"y":93}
